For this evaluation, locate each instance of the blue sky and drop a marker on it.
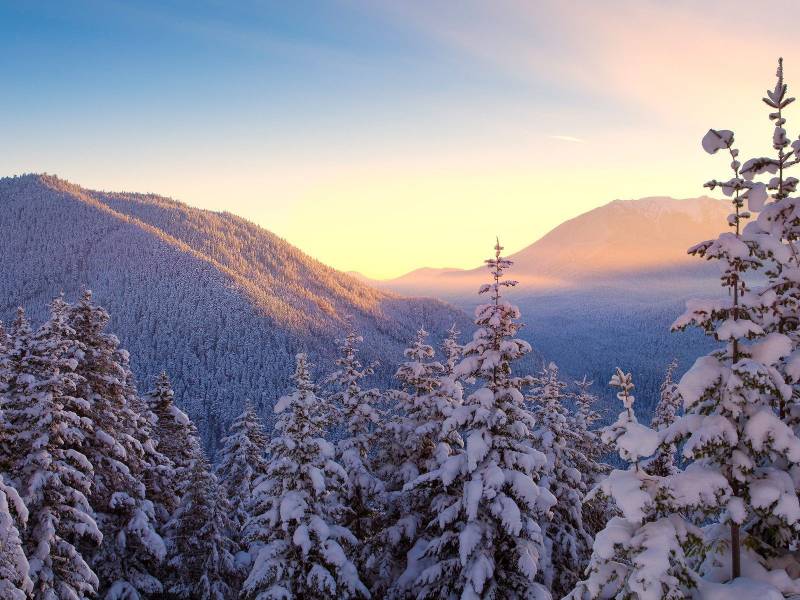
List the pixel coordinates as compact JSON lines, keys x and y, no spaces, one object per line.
{"x":397,"y":127}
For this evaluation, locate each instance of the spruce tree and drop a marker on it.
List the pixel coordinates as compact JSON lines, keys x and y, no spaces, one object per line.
{"x":644,"y":553}
{"x":772,"y":238}
{"x":127,"y":562}
{"x":49,"y":427}
{"x":590,"y":451}
{"x":359,"y":419}
{"x":14,"y":360}
{"x":410,"y":448}
{"x":174,"y":434}
{"x":242,"y":462}
{"x":5,"y":359}
{"x":301,"y":551}
{"x":451,"y":350}
{"x":486,"y":539}
{"x":734,"y":398}
{"x":15,"y":581}
{"x":669,"y":401}
{"x":567,"y":540}
{"x":202,"y":549}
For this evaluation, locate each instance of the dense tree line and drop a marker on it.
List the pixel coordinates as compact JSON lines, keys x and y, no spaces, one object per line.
{"x":216,"y":301}
{"x":470,"y":478}
{"x":443,"y":482}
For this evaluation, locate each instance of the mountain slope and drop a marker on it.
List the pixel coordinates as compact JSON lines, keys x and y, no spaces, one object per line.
{"x":622,"y":240}
{"x":623,"y":237}
{"x":219,"y":302}
{"x":601,"y":290}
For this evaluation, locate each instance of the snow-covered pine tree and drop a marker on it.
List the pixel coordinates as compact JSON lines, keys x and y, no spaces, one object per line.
{"x":5,"y":359}
{"x":591,"y":450}
{"x":202,"y":549}
{"x":568,"y":542}
{"x":242,"y":462}
{"x":486,"y":540}
{"x":48,"y":428}
{"x":174,"y":434}
{"x":642,"y":553}
{"x":773,"y":239}
{"x":360,"y":418}
{"x":451,"y":351}
{"x":15,"y":581}
{"x":13,"y":363}
{"x":127,"y":561}
{"x":301,"y":552}
{"x":669,"y":402}
{"x":733,"y":397}
{"x":410,"y":447}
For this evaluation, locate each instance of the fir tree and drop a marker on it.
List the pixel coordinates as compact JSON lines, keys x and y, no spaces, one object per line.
{"x":242,"y":462}
{"x":15,"y":581}
{"x":643,"y":553}
{"x":666,"y":411}
{"x":127,"y":561}
{"x":590,"y":451}
{"x":174,"y":435}
{"x":203,"y":552}
{"x":567,"y":540}
{"x":486,"y":540}
{"x":300,"y":550}
{"x":451,"y":350}
{"x":733,"y":397}
{"x":49,"y":427}
{"x":360,"y":418}
{"x":14,"y":363}
{"x":412,"y":447}
{"x":5,"y":359}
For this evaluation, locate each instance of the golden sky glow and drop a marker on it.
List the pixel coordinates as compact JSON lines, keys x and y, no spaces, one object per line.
{"x":473,"y":120}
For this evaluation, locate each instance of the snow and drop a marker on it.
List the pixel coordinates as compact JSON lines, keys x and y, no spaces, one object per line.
{"x":741,"y":588}
{"x":716,"y":140}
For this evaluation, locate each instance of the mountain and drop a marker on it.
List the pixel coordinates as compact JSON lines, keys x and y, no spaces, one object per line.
{"x":220,"y":303}
{"x":622,"y":240}
{"x":601,"y":290}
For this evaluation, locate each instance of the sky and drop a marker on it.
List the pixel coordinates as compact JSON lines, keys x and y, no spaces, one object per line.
{"x":384,"y":136}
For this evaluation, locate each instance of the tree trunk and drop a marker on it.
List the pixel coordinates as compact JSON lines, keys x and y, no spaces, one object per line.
{"x":736,"y":559}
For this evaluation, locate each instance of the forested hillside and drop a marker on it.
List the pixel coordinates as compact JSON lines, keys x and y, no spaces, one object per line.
{"x":217,"y":301}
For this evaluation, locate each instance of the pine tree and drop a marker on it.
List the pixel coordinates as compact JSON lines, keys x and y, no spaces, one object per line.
{"x":486,"y":540}
{"x":734,"y":397}
{"x":128,"y":560}
{"x":5,"y":358}
{"x":666,"y":410}
{"x":242,"y":462}
{"x":15,"y":581}
{"x":174,"y":434}
{"x":203,"y":552}
{"x":360,"y":419}
{"x":410,"y":448}
{"x":590,"y":452}
{"x":643,"y":553}
{"x":300,"y":550}
{"x":48,"y":428}
{"x":451,"y":350}
{"x":567,"y":540}
{"x":13,"y":360}
{"x":772,"y":238}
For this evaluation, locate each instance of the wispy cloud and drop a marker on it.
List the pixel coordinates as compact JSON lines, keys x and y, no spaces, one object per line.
{"x":567,"y":138}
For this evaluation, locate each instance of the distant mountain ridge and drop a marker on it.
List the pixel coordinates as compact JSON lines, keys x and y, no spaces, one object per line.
{"x":621,"y":239}
{"x":219,"y":302}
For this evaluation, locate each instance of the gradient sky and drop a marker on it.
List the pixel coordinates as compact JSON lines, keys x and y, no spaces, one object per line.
{"x":384,"y":136}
